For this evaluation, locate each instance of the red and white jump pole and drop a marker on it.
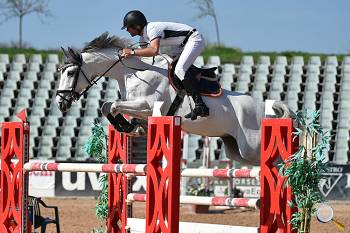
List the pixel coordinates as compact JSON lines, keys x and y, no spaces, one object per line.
{"x":221,"y":173}
{"x":201,"y":200}
{"x":138,"y":169}
{"x":85,"y":167}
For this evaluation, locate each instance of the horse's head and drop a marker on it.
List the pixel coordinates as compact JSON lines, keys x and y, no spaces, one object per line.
{"x":73,"y":80}
{"x":100,"y":57}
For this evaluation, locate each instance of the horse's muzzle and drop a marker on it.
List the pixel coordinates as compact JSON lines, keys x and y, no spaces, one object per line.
{"x":64,"y":106}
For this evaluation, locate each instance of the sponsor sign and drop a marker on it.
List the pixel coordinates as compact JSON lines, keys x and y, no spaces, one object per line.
{"x":336,"y":185}
{"x":77,"y":184}
{"x":42,"y":183}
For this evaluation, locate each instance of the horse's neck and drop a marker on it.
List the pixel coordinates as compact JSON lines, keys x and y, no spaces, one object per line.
{"x":155,"y":69}
{"x":100,"y":61}
{"x":97,"y":63}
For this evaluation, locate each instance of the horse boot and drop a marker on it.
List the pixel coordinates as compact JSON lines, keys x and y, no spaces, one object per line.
{"x":191,"y":86}
{"x":118,"y":121}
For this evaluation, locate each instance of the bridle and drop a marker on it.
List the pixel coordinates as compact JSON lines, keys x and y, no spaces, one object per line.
{"x":74,"y":95}
{"x":72,"y":90}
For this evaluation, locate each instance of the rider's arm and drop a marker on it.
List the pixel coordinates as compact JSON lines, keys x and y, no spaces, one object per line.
{"x":150,"y":51}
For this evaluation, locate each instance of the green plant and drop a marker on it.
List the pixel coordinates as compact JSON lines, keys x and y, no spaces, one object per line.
{"x":305,"y":168}
{"x":96,"y":147}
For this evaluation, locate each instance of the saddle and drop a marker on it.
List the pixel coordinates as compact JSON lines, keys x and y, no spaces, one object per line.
{"x":208,"y":82}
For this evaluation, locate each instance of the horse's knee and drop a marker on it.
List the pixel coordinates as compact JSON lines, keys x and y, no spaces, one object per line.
{"x":108,"y":107}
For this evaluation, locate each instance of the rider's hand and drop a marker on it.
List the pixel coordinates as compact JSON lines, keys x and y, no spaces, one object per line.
{"x":127,"y":53}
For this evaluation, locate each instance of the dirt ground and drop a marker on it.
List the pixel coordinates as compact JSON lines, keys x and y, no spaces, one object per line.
{"x":77,"y":215}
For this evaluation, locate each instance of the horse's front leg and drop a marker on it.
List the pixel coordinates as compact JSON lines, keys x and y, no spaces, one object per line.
{"x":119,"y":122}
{"x":114,"y":110}
{"x":138,"y":108}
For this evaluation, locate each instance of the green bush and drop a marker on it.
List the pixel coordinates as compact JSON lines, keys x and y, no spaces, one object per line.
{"x":234,"y":55}
{"x":29,"y":52}
{"x":226,"y":54}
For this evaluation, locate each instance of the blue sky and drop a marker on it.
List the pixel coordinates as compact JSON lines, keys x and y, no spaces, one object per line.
{"x":252,"y":25}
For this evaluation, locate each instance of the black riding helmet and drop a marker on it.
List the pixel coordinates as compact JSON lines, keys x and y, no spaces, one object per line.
{"x":134,"y":18}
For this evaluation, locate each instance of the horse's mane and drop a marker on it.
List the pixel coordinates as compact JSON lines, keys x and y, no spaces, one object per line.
{"x":105,"y":40}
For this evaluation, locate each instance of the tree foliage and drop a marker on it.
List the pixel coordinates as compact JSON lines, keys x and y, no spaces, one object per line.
{"x":305,"y":169}
{"x":96,"y":147}
{"x":19,"y":8}
{"x":206,"y":9}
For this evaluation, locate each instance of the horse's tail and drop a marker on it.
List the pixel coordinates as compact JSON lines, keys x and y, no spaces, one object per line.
{"x":282,"y":110}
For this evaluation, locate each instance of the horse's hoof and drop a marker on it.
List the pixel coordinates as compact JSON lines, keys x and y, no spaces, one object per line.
{"x":114,"y":108}
{"x":138,"y":131}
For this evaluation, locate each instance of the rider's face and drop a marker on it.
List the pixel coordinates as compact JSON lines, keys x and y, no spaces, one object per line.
{"x":134,"y":31}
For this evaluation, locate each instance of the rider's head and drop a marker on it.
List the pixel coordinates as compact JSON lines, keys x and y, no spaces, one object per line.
{"x":134,"y":21}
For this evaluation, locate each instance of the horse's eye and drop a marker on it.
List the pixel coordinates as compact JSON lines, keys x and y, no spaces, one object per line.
{"x":70,"y":73}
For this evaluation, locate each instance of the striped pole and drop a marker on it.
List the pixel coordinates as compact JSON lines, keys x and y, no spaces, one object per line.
{"x":85,"y":167}
{"x":216,"y":173}
{"x":221,"y":173}
{"x":138,"y":169}
{"x":199,"y":200}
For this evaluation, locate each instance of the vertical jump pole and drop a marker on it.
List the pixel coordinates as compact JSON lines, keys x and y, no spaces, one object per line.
{"x":118,"y":185}
{"x":276,"y":144}
{"x":163,"y":183}
{"x":14,"y":182}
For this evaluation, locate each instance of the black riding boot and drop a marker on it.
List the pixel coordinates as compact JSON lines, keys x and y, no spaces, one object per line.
{"x":192,"y":86}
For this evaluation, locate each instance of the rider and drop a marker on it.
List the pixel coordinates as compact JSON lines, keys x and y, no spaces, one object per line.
{"x":186,"y":41}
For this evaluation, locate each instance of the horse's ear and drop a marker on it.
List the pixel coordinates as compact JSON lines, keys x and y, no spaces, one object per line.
{"x":71,"y":52}
{"x":67,"y":57}
{"x":76,"y":56}
{"x":64,"y":52}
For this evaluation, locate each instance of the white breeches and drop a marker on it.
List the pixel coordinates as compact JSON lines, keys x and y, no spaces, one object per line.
{"x":190,"y":52}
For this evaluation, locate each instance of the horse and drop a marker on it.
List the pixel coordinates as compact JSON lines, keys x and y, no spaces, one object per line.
{"x":234,"y":117}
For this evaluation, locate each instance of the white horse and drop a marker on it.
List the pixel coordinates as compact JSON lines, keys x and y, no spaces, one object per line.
{"x":235,"y":117}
